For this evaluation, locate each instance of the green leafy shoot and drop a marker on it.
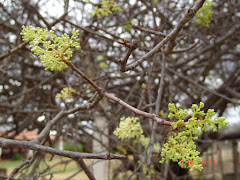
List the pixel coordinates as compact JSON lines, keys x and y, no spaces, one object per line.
{"x":180,"y":145}
{"x":66,"y":93}
{"x":107,"y":7}
{"x":203,"y":16}
{"x":54,"y":51}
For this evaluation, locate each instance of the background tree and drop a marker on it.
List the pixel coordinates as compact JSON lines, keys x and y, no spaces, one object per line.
{"x":176,"y":60}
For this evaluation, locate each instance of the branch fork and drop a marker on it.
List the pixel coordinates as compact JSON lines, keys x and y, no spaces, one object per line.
{"x":132,"y":46}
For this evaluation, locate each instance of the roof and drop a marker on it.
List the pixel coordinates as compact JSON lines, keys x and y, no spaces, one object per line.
{"x":24,"y":135}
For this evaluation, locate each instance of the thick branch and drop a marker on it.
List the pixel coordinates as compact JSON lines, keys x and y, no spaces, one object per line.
{"x":83,"y":165}
{"x":229,"y":136}
{"x":5,"y":143}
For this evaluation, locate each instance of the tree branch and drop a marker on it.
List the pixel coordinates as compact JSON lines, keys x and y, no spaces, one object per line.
{"x":86,"y":169}
{"x":5,"y":143}
{"x":11,"y":51}
{"x":159,"y":121}
{"x":123,"y":62}
{"x":170,"y":37}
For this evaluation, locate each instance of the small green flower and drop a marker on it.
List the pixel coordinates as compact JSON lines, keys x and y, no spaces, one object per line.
{"x":107,"y":7}
{"x":144,"y":141}
{"x":66,"y":93}
{"x":54,"y":51}
{"x":128,"y":128}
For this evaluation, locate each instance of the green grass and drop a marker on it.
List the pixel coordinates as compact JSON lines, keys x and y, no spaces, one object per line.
{"x":70,"y":167}
{"x":9,"y":163}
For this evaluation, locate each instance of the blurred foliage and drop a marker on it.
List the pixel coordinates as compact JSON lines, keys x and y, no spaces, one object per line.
{"x":17,"y":156}
{"x":204,"y":15}
{"x":107,"y":7}
{"x":71,"y":146}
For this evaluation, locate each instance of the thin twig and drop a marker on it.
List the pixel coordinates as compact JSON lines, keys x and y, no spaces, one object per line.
{"x":170,"y":37}
{"x":158,"y":107}
{"x":150,"y":31}
{"x":62,"y":114}
{"x":218,"y":41}
{"x":28,"y":91}
{"x":15,"y":171}
{"x":123,"y":62}
{"x":11,"y":51}
{"x":202,"y":87}
{"x":90,"y":31}
{"x":186,"y":49}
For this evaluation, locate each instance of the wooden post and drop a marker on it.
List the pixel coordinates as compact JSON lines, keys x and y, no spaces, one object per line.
{"x":235,"y":159}
{"x":220,"y":146}
{"x":212,"y":160}
{"x":101,"y":167}
{"x":61,"y":142}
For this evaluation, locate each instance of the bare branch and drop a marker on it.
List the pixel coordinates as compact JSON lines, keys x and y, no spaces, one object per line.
{"x":11,"y":51}
{"x":123,"y":62}
{"x":5,"y":143}
{"x":202,"y":87}
{"x":86,"y":169}
{"x":150,"y":31}
{"x":186,"y":49}
{"x":170,"y":37}
{"x":159,"y":121}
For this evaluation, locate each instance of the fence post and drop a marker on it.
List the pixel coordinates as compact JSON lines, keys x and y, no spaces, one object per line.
{"x":101,"y":167}
{"x":212,"y":160}
{"x":235,"y":159}
{"x":220,"y":147}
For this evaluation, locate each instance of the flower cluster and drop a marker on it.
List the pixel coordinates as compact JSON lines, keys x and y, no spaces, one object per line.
{"x":107,"y":7}
{"x":54,"y":51}
{"x":145,"y":142}
{"x":180,"y":145}
{"x":66,"y":93}
{"x":128,"y":128}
